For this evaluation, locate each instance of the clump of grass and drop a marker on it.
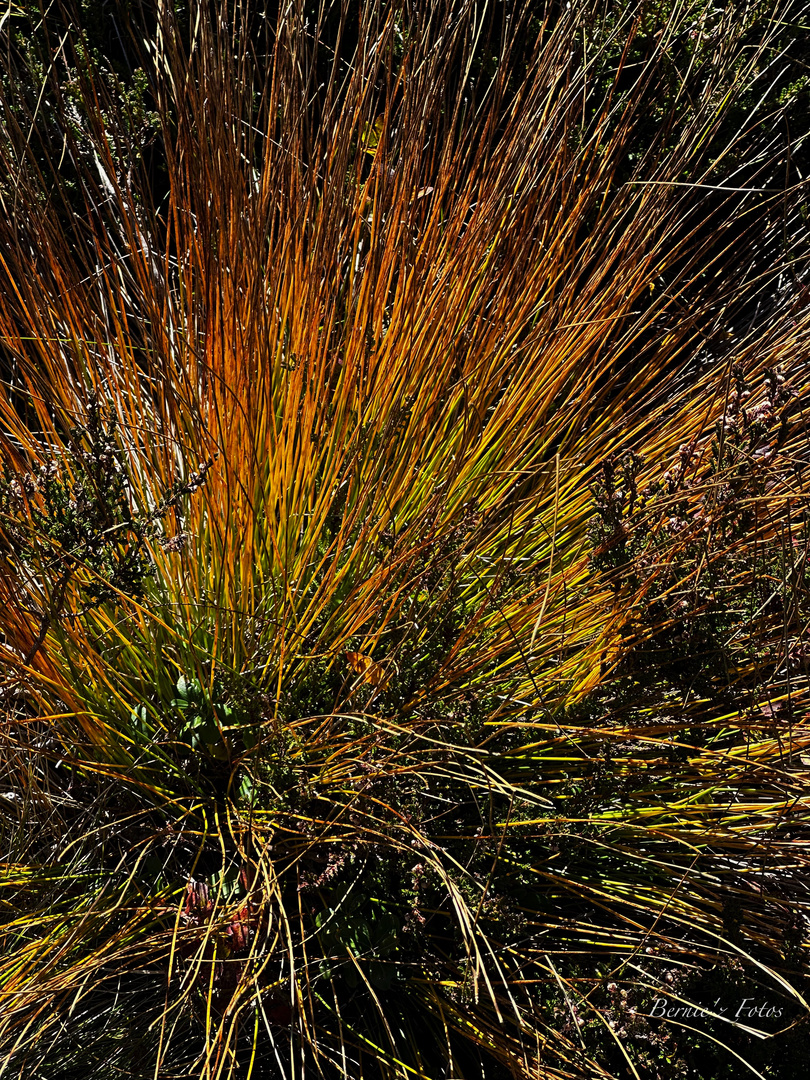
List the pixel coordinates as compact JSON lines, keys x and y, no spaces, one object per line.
{"x":380,"y":699}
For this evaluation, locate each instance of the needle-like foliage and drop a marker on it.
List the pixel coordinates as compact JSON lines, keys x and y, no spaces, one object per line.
{"x":403,"y":545}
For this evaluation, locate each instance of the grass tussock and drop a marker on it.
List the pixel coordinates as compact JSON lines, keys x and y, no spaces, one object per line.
{"x":403,"y":592}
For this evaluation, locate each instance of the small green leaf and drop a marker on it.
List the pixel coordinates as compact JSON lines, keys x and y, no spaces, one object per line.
{"x":247,"y":790}
{"x":138,"y":719}
{"x":189,"y":690}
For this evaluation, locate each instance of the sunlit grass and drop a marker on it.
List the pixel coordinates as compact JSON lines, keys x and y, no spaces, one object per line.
{"x":370,"y":708}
